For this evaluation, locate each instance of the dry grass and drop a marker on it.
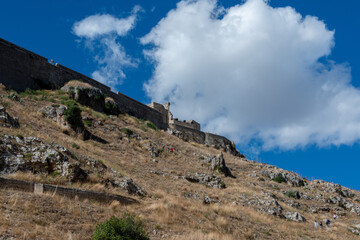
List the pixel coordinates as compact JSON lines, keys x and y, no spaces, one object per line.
{"x":77,"y":83}
{"x":165,"y":208}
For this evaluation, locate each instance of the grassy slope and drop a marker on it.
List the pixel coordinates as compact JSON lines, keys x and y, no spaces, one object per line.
{"x":165,"y":208}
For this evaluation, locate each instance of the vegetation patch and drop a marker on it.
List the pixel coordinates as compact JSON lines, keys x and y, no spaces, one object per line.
{"x":88,"y":123}
{"x":125,"y":228}
{"x":290,"y":194}
{"x":110,"y":107}
{"x":73,"y":114}
{"x":279,"y":179}
{"x":74,"y":145}
{"x":151,"y":125}
{"x":128,"y":132}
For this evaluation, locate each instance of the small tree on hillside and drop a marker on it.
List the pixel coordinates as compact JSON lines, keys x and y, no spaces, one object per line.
{"x":73,"y":114}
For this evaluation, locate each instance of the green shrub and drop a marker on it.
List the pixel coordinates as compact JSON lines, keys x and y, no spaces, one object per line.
{"x":219,"y":169}
{"x":126,"y":228}
{"x":55,"y":174}
{"x":261,"y":179}
{"x":73,"y":114}
{"x":290,"y":194}
{"x":14,"y":97}
{"x":301,"y":184}
{"x":88,"y":123}
{"x":151,"y":125}
{"x":279,"y":179}
{"x":128,"y":132}
{"x":340,"y":192}
{"x":74,"y":145}
{"x":110,"y":107}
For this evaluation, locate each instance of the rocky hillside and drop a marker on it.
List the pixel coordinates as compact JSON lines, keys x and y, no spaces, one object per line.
{"x":76,"y":137}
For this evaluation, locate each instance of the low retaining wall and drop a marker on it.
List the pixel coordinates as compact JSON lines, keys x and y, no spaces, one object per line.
{"x":63,"y":191}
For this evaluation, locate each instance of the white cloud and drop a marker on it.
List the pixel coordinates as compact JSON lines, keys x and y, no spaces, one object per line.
{"x":252,"y":72}
{"x":101,"y":33}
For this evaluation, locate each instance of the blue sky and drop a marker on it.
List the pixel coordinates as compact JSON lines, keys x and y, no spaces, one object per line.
{"x":329,"y":153}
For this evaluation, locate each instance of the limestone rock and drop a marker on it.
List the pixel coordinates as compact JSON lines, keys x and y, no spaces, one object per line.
{"x":130,"y":187}
{"x":297,"y":217}
{"x":271,"y":207}
{"x":207,"y":200}
{"x":208,"y":180}
{"x":6,"y":120}
{"x":87,"y":95}
{"x":55,"y":112}
{"x":31,"y":154}
{"x":356,"y":210}
{"x":355,"y":229}
{"x":218,"y":163}
{"x":290,"y":177}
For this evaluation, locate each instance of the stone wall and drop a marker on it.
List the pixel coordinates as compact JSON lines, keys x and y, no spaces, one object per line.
{"x":188,"y":124}
{"x":217,"y":141}
{"x":189,"y":134}
{"x":63,"y":191}
{"x":21,"y":69}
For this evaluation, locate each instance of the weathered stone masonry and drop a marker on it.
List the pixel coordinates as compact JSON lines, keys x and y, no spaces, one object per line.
{"x":21,"y":69}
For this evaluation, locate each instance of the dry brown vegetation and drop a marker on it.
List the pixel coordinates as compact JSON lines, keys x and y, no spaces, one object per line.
{"x":165,"y":209}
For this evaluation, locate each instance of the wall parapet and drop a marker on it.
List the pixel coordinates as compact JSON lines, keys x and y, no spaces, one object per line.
{"x":26,"y":186}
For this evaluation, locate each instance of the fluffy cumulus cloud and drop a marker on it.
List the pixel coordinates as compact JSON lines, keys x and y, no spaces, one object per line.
{"x":253,"y":72}
{"x":101,"y":33}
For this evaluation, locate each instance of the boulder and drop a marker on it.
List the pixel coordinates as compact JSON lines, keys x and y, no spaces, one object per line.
{"x":86,"y":95}
{"x":297,"y":217}
{"x":272,"y":207}
{"x":6,"y":120}
{"x":356,"y":210}
{"x":207,"y":200}
{"x":130,"y":187}
{"x":111,"y":107}
{"x":218,"y":163}
{"x":208,"y":180}
{"x":55,"y":112}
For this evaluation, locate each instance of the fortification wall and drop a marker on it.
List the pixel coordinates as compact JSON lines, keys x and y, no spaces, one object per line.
{"x":189,"y":134}
{"x":214,"y":140}
{"x":187,"y":124}
{"x":21,"y":69}
{"x":63,"y":191}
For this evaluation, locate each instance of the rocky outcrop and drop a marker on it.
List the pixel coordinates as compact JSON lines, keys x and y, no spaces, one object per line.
{"x":55,"y":112}
{"x":32,"y":155}
{"x":280,"y":175}
{"x":8,"y":121}
{"x":86,"y":95}
{"x":92,"y":97}
{"x":208,"y":180}
{"x":111,"y":107}
{"x":295,"y":216}
{"x":129,"y":186}
{"x":208,"y":200}
{"x":218,"y":164}
{"x":355,"y":229}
